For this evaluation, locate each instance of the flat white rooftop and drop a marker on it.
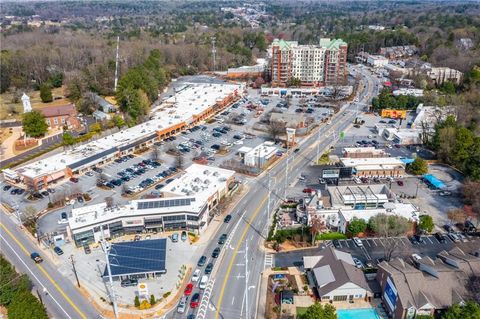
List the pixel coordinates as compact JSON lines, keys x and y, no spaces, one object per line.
{"x":88,"y":216}
{"x":192,"y":99}
{"x":376,"y":161}
{"x":399,"y":209}
{"x":363,"y":150}
{"x":199,"y":181}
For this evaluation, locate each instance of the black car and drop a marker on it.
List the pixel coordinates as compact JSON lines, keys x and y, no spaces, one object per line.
{"x":202,"y":261}
{"x":296,"y":150}
{"x":14,"y":191}
{"x":419,"y":239}
{"x":44,"y":193}
{"x":129,"y":283}
{"x":413,"y":240}
{"x":336,"y":243}
{"x":448,"y":228}
{"x":215,"y":147}
{"x":209,"y":268}
{"x":87,"y":249}
{"x":227,"y":218}
{"x":80,"y":199}
{"x":237,"y":137}
{"x":20,"y":191}
{"x":58,"y":250}
{"x":7,"y":187}
{"x":169,"y":180}
{"x":159,"y":186}
{"x":222,"y":239}
{"x":441,"y":237}
{"x":216,"y":252}
{"x":63,"y":215}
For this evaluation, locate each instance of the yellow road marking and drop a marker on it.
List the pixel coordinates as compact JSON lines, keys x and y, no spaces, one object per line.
{"x":45,"y":273}
{"x":229,"y":269}
{"x":237,"y":247}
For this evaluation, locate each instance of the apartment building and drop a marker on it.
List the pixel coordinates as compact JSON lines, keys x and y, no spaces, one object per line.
{"x":314,"y":65}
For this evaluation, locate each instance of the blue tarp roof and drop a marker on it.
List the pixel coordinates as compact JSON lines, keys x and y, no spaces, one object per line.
{"x":434,"y":181}
{"x":137,"y":257}
{"x":407,"y":160}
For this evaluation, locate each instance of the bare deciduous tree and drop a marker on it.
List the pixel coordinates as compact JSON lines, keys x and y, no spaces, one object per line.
{"x":389,"y":226}
{"x":457,"y":215}
{"x":275,"y":129}
{"x":109,"y":201}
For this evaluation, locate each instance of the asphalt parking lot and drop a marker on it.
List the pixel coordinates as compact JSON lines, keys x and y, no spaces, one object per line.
{"x":374,"y":249}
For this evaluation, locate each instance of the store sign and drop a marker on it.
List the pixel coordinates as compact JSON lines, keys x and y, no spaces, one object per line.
{"x":132,"y":222}
{"x":390,"y":294}
{"x":394,"y":114}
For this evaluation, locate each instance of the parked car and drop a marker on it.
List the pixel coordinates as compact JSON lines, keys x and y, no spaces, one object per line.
{"x":209,"y":268}
{"x":227,"y":218}
{"x":216,"y":252}
{"x":203,"y":282}
{"x":58,"y":250}
{"x":86,"y":249}
{"x":308,"y":190}
{"x":400,"y":183}
{"x":454,"y":237}
{"x":357,"y":241}
{"x":419,"y":239}
{"x":336,"y":243}
{"x":80,"y":199}
{"x":416,"y":257}
{"x":184,"y":236}
{"x":174,"y":237}
{"x":202,"y":261}
{"x":448,"y":228}
{"x":73,"y":179}
{"x":188,"y":290}
{"x":441,"y":237}
{"x":413,"y":240}
{"x":358,"y":263}
{"x":7,"y":187}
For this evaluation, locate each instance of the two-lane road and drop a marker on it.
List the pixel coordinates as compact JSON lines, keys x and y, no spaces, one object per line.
{"x":61,"y":298}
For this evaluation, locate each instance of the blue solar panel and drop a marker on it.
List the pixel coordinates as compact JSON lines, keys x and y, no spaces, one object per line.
{"x":137,"y":257}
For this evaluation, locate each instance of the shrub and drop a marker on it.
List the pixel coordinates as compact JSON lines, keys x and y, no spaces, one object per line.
{"x":50,"y":205}
{"x":165,"y":295}
{"x":331,"y":236}
{"x":152,"y":299}
{"x":145,"y":305}
{"x":136,"y":302}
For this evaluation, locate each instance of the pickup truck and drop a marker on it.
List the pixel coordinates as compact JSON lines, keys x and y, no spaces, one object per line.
{"x":36,"y":257}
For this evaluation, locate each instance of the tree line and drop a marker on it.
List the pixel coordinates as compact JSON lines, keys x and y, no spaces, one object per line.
{"x":16,"y":296}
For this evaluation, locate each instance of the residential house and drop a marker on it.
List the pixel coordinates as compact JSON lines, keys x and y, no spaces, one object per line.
{"x":60,"y":115}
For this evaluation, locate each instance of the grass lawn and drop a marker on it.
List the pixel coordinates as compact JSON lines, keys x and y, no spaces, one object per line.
{"x":301,"y":311}
{"x":9,"y":110}
{"x":323,"y":160}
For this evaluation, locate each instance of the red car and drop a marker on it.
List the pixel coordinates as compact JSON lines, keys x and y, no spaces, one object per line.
{"x":189,"y":289}
{"x":308,"y":190}
{"x":195,"y":302}
{"x":399,"y":183}
{"x":74,"y":180}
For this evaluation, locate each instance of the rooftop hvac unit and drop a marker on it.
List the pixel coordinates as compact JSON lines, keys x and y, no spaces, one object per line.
{"x":206,"y":182}
{"x":215,"y":174}
{"x":222,"y":179}
{"x":197,"y":180}
{"x":206,"y":172}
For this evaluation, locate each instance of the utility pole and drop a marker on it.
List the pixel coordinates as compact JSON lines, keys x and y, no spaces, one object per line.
{"x":74,"y":270}
{"x":318,"y":144}
{"x":106,"y":250}
{"x":116,"y":66}
{"x":246,"y":279}
{"x":268,"y":203}
{"x":214,"y":54}
{"x":286,"y":180}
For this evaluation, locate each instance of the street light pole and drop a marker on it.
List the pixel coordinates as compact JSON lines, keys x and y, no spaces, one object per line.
{"x":268,"y":202}
{"x":106,"y":250}
{"x":286,"y":179}
{"x":74,"y":270}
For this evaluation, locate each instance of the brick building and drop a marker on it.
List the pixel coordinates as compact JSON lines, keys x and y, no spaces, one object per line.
{"x":314,"y":65}
{"x":60,"y":115}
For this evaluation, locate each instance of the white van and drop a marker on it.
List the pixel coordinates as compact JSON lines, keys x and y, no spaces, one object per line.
{"x":203,"y":282}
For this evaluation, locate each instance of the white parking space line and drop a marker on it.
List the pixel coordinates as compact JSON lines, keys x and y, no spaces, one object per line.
{"x":346,"y":243}
{"x":431,"y":242}
{"x":381,"y":242}
{"x":366,"y":241}
{"x":374,"y":242}
{"x":340,"y":243}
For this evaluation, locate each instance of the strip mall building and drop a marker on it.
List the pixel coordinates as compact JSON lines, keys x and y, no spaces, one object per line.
{"x":192,"y":104}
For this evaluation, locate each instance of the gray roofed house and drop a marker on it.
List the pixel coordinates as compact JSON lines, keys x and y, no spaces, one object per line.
{"x":430,"y":285}
{"x":103,"y":105}
{"x":336,"y":278}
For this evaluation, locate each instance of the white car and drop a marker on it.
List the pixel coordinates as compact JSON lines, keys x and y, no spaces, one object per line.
{"x":357,"y":241}
{"x":416,"y":257}
{"x":196,"y":275}
{"x":62,"y":221}
{"x":182,"y":305}
{"x":358,"y":263}
{"x":238,"y":142}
